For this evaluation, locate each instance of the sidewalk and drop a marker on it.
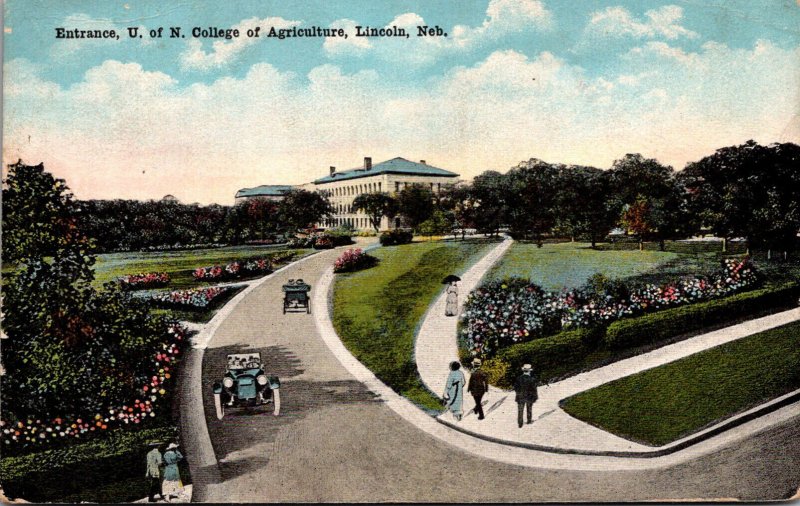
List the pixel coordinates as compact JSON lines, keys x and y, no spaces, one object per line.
{"x":553,"y":429}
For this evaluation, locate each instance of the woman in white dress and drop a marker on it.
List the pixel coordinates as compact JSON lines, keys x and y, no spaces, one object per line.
{"x":451,"y":309}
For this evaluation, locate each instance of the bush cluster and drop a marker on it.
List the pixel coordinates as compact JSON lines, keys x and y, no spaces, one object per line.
{"x":631,"y":332}
{"x":568,"y":352}
{"x":353,"y":260}
{"x":326,"y":240}
{"x":395,"y":237}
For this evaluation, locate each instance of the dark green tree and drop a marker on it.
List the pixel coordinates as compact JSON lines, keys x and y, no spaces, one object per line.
{"x":490,"y":205}
{"x":415,"y":204}
{"x":301,"y":209}
{"x":532,"y":199}
{"x":584,"y":202}
{"x":376,"y":206}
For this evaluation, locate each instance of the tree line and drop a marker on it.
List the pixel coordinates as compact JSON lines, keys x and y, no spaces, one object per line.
{"x":748,"y":191}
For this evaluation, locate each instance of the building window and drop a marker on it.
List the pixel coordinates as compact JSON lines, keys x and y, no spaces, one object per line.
{"x":379,"y":186}
{"x":397,"y":187}
{"x":438,"y":187}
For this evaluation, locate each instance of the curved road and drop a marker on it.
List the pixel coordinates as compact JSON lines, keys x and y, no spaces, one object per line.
{"x":334,"y":441}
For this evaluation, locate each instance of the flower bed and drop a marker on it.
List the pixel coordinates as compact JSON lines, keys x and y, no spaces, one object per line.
{"x":501,"y":313}
{"x":353,"y":260}
{"x":240,"y":269}
{"x":195,"y":298}
{"x":320,"y":241}
{"x":152,"y":389}
{"x":145,"y":280}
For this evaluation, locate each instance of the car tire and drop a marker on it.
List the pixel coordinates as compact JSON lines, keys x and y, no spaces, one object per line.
{"x":276,"y":402}
{"x":219,"y":407}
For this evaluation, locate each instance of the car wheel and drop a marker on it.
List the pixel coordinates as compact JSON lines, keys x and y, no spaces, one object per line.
{"x":219,"y":407}
{"x":276,"y":400}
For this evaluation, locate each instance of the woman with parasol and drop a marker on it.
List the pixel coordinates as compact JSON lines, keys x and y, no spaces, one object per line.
{"x":451,"y":308}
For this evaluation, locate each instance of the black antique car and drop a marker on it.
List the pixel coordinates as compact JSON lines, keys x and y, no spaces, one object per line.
{"x":295,"y":296}
{"x":246,"y":384}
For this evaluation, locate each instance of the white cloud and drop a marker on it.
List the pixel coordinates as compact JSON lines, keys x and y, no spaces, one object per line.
{"x":351,"y":45}
{"x":618,"y":22}
{"x":205,"y":141}
{"x":503,"y":17}
{"x":223,"y":52}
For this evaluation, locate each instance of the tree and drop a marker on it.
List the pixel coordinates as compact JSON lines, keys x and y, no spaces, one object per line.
{"x":38,"y":213}
{"x":438,"y":224}
{"x":748,"y":191}
{"x":301,"y":209}
{"x":459,"y":200}
{"x":532,"y":199}
{"x":71,"y":350}
{"x":415,"y":204}
{"x":635,"y":176}
{"x":584,"y":203}
{"x":376,"y":206}
{"x":489,"y":196}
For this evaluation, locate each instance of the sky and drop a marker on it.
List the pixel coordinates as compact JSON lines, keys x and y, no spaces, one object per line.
{"x":577,"y":82}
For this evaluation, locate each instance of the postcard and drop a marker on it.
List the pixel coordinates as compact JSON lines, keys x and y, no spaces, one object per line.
{"x":429,"y":251}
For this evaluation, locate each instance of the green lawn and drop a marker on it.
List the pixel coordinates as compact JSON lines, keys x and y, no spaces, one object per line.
{"x":377,"y":311}
{"x":555,"y":266}
{"x":178,"y":264}
{"x":664,"y":404}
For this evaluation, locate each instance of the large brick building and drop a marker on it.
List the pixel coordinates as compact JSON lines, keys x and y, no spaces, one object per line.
{"x":343,"y":187}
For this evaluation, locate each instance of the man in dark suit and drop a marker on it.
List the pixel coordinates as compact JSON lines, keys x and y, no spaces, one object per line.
{"x":477,"y":386}
{"x":526,"y":395}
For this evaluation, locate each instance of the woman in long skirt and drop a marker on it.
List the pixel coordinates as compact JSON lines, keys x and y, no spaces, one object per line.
{"x":451,"y":309}
{"x":454,"y":391}
{"x":172,"y":477}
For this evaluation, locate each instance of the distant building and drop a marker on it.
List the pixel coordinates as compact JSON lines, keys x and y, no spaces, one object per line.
{"x":169,"y":198}
{"x":390,"y":176}
{"x":265,"y":191}
{"x":342,"y":188}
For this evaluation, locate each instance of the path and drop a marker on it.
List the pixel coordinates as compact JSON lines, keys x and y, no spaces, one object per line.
{"x":338,"y":440}
{"x":436,"y":347}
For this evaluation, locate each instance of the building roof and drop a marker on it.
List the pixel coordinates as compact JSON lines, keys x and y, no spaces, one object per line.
{"x":265,"y":190}
{"x":394,"y":166}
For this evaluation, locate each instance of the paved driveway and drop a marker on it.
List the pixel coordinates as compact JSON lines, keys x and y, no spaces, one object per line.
{"x":334,"y":441}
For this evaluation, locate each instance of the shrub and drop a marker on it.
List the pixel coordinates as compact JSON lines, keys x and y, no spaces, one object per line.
{"x":395,"y":237}
{"x":323,"y":243}
{"x":550,"y":356}
{"x":353,"y":260}
{"x":654,"y":327}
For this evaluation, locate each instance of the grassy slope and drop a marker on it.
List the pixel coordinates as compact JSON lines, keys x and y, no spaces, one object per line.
{"x":556,"y":266}
{"x":376,"y":311}
{"x":661,"y":405}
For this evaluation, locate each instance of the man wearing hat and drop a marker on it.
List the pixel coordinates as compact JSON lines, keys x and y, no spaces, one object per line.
{"x":477,"y":386}
{"x":154,"y":463}
{"x":526,"y":395}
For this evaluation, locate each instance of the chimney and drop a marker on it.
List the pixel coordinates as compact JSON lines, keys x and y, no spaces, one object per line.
{"x":422,"y":162}
{"x":367,"y":163}
{"x":333,"y":170}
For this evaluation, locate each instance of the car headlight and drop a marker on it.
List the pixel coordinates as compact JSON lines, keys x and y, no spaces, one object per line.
{"x":262,"y":380}
{"x":228,"y":382}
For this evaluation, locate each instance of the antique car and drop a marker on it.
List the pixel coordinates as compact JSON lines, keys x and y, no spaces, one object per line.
{"x":295,"y":296}
{"x":246,"y":384}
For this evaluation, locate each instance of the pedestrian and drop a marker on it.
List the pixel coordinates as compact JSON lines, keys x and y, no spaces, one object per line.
{"x":478,"y":385}
{"x":154,"y":463}
{"x":526,"y":395}
{"x":172,"y":475}
{"x":454,"y":390}
{"x":451,"y":308}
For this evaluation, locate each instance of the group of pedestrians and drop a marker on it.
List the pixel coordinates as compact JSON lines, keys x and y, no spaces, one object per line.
{"x":525,"y":391}
{"x":163,"y":473}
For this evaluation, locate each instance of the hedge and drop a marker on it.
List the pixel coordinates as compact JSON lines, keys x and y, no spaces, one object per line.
{"x":650,"y":328}
{"x":74,"y":471}
{"x":395,"y":237}
{"x":572,"y":351}
{"x":550,"y":356}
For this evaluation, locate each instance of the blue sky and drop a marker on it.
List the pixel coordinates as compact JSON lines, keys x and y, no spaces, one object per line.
{"x":565,"y":81}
